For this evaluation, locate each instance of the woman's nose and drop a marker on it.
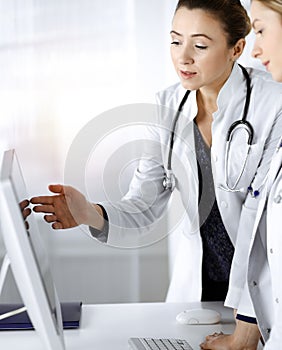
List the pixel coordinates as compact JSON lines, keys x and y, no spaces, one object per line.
{"x":256,"y":52}
{"x":185,"y":57}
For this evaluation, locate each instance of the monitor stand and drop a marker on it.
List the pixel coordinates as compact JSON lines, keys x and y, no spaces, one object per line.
{"x":71,"y":311}
{"x":3,"y":273}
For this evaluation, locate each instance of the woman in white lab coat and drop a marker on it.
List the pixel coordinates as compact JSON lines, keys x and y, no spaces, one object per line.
{"x":261,"y":290}
{"x":207,"y":39}
{"x":264,"y":269}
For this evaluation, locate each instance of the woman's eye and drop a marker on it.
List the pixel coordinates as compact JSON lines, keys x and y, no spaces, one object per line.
{"x":176,"y":43}
{"x":259,"y":32}
{"x":201,"y":47}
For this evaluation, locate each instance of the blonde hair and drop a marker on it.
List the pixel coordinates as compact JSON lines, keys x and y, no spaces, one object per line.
{"x":275,"y":5}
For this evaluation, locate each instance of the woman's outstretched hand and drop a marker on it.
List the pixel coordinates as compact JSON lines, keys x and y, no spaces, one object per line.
{"x":67,"y":208}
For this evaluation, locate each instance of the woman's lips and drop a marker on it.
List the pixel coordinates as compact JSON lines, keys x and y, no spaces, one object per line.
{"x":266,"y":64}
{"x":187,"y":75}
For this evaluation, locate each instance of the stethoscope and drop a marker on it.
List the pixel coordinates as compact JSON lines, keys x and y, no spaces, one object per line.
{"x":169,"y":178}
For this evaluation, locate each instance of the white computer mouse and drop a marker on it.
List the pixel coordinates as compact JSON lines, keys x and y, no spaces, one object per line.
{"x":198,"y":316}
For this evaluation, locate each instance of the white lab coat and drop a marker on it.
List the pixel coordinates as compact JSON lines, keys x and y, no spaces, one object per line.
{"x":263,"y":290}
{"x":147,"y":200}
{"x":274,"y":244}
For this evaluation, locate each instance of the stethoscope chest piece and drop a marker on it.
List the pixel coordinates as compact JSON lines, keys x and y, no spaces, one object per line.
{"x":169,"y":181}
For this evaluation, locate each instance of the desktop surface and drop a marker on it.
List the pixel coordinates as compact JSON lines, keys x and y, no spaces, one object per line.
{"x":109,"y":326}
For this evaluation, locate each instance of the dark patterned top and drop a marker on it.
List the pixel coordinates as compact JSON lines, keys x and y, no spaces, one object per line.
{"x":217,"y":248}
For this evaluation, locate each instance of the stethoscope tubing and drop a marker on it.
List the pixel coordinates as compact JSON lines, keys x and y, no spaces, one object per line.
{"x":171,"y":142}
{"x":169,"y":181}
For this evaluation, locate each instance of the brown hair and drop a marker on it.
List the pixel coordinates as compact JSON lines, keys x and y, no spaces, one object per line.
{"x":230,"y":13}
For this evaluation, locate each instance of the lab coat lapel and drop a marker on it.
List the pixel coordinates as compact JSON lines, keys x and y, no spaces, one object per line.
{"x":184,"y":163}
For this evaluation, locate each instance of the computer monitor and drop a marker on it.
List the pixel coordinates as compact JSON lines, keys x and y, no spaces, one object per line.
{"x":28,"y":258}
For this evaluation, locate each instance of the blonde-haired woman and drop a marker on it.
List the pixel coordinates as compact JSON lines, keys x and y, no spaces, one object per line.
{"x":266,"y":249}
{"x":263,"y":288}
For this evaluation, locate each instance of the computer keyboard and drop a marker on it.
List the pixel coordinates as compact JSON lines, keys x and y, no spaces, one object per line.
{"x":158,"y":344}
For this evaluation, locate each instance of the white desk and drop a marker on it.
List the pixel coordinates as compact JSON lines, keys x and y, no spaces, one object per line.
{"x":108,"y":327}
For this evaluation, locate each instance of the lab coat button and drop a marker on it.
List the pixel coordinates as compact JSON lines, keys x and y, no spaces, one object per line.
{"x":271,"y":251}
{"x":254,"y":283}
{"x":224,"y":204}
{"x":277,"y":300}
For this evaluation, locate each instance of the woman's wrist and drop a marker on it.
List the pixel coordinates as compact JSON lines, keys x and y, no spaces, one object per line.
{"x":246,"y":335}
{"x":95,"y":216}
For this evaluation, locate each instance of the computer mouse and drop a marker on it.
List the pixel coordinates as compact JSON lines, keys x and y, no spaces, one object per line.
{"x":198,"y":316}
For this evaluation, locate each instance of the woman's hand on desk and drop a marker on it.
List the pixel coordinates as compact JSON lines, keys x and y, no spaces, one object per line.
{"x":68,"y":208}
{"x":245,"y":337}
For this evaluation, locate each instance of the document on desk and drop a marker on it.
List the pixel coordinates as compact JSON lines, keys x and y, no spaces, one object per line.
{"x":71,"y":312}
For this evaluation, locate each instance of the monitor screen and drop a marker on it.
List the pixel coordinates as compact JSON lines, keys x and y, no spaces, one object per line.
{"x":28,"y":257}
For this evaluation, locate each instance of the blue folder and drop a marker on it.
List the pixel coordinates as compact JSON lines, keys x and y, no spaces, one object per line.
{"x":71,"y":312}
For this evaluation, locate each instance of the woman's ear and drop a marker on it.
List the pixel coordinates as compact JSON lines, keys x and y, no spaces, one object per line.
{"x":238,"y":49}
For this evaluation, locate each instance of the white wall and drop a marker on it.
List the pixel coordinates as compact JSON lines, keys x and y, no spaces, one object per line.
{"x":64,"y":62}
